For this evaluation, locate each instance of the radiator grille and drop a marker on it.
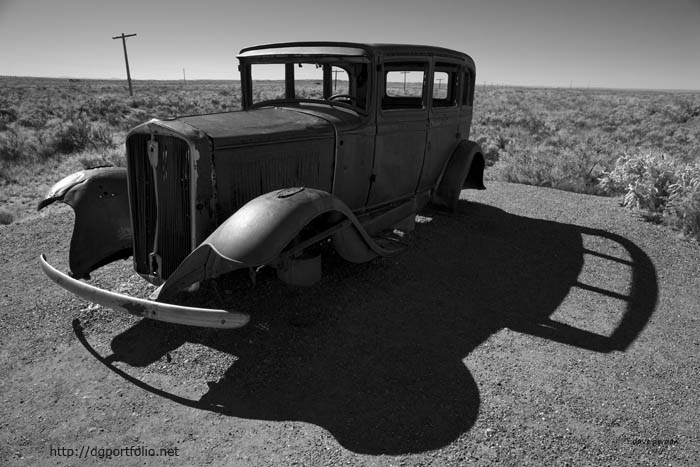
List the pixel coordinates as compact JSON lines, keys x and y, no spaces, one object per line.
{"x":160,"y":206}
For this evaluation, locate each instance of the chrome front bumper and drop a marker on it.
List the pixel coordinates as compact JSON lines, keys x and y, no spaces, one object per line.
{"x":203,"y":317}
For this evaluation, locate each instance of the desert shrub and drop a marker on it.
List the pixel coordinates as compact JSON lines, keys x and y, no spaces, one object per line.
{"x":644,"y":180}
{"x":6,"y":216}
{"x":8,"y":115}
{"x":11,"y":146}
{"x":90,"y":159}
{"x":568,"y":139}
{"x":17,"y":145}
{"x":100,"y":158}
{"x":683,"y":209}
{"x":661,"y":188}
{"x":72,"y":137}
{"x":101,"y":137}
{"x":563,"y":169}
{"x":79,"y":135}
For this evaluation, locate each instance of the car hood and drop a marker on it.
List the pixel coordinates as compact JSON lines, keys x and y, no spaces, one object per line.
{"x":268,"y":125}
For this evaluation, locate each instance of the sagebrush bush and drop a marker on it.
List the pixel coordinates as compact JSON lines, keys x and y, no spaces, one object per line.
{"x":660,"y":187}
{"x":17,"y":144}
{"x":684,"y":199}
{"x":643,"y":179}
{"x":567,"y":138}
{"x":100,"y":158}
{"x":11,"y":146}
{"x":79,"y":135}
{"x":72,"y":137}
{"x":563,"y":169}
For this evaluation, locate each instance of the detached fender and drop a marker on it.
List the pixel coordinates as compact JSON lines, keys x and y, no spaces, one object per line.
{"x":464,"y":169}
{"x":102,"y":231}
{"x":258,"y":233}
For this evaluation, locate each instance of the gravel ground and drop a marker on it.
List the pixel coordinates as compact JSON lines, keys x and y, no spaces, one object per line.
{"x":533,"y":327}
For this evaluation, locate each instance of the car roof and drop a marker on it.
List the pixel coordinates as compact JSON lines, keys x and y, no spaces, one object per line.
{"x":351,"y":49}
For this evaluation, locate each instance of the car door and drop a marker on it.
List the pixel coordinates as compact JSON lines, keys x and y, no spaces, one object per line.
{"x":444,"y":121}
{"x":402,"y":122}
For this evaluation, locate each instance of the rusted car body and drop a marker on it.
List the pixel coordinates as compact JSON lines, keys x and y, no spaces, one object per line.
{"x":351,"y":140}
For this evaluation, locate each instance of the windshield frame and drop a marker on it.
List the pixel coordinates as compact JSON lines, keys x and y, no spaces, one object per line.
{"x":346,"y":63}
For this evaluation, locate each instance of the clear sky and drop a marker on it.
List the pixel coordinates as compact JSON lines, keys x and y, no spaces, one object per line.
{"x":597,"y":43}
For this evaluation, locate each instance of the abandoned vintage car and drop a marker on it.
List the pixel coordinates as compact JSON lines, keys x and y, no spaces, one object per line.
{"x":335,"y":142}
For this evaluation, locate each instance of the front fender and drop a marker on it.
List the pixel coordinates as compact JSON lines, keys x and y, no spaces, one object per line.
{"x":102,"y":231}
{"x":258,"y":233}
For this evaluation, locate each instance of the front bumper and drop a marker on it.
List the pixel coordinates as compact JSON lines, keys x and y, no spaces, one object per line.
{"x":190,"y":316}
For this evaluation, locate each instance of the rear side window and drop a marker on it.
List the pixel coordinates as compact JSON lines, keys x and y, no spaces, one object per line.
{"x":468,"y":91}
{"x":404,"y":85}
{"x":445,"y":85}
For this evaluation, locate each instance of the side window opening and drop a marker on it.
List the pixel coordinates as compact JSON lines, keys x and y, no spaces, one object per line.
{"x":340,"y":81}
{"x":468,"y":91}
{"x":404,"y":85}
{"x":445,"y":85}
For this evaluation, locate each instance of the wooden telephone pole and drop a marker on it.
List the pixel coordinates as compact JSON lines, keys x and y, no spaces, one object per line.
{"x":404,"y":80}
{"x":126,"y":59}
{"x":335,"y":79}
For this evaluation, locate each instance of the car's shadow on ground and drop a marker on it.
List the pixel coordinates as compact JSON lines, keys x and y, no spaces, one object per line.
{"x":378,"y":358}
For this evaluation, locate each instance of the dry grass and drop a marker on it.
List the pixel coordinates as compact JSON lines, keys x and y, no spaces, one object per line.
{"x":569,"y":139}
{"x":642,"y":145}
{"x":52,"y":127}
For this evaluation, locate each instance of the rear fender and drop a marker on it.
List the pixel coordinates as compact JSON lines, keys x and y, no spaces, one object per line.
{"x":102,"y":230}
{"x":465,"y":169}
{"x":260,"y":232}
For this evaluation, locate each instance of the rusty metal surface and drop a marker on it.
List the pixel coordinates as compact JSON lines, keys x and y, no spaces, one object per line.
{"x":295,"y":50}
{"x":191,"y":316}
{"x":353,"y":168}
{"x":372,"y":50}
{"x":160,"y":196}
{"x":398,"y":156}
{"x":247,"y":172}
{"x":257,"y":234}
{"x":443,"y":136}
{"x":217,"y":192}
{"x":102,"y":231}
{"x":258,"y":127}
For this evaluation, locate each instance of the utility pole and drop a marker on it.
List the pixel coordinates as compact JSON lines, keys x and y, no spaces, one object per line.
{"x":335,"y":79}
{"x":184,"y":78}
{"x":126,"y":59}
{"x":404,"y":80}
{"x":439,"y":80}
